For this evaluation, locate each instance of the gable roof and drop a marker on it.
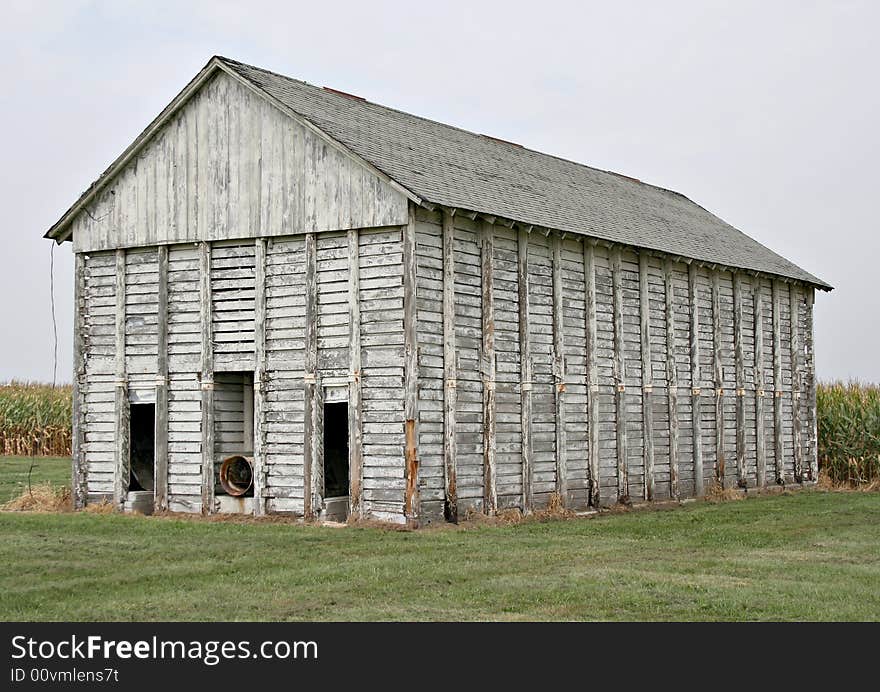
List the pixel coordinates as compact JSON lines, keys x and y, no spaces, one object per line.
{"x":447,"y":166}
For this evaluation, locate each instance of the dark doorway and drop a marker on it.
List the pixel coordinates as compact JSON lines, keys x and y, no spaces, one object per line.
{"x":142,"y":450}
{"x":336,"y":482}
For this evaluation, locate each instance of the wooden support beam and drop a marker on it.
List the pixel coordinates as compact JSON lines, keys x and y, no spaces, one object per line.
{"x":487,"y":253}
{"x":779,"y":446}
{"x":671,"y":379}
{"x":619,"y":370}
{"x":355,"y":413}
{"x":317,"y":449}
{"x":525,"y":365}
{"x":592,"y":372}
{"x":450,"y":373}
{"x":647,"y":377}
{"x":260,"y":378}
{"x":207,"y":371}
{"x":79,"y":470}
{"x":160,"y":494}
{"x":123,"y":430}
{"x":719,"y":379}
{"x":796,"y":381}
{"x":559,"y":371}
{"x":411,"y":371}
{"x":696,"y":402}
{"x":810,"y":370}
{"x":741,"y":471}
{"x":311,"y":472}
{"x":760,"y":447}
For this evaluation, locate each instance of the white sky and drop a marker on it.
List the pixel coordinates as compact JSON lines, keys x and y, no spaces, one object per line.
{"x":765,"y":113}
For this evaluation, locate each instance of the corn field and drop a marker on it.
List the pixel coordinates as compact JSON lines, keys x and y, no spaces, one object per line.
{"x":35,"y":419}
{"x":849,"y":432}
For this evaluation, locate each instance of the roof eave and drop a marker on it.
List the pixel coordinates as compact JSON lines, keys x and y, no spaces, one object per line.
{"x":808,"y":280}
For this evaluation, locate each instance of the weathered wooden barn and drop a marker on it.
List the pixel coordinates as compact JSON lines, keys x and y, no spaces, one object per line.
{"x":375,"y":314}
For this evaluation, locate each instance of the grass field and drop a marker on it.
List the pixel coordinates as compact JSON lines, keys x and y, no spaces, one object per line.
{"x":807,"y":555}
{"x":14,"y":474}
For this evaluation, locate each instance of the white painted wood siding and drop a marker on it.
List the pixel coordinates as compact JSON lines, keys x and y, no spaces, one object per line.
{"x":231,"y":165}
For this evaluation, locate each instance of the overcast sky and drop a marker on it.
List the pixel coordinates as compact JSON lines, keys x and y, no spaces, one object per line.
{"x":765,"y":113}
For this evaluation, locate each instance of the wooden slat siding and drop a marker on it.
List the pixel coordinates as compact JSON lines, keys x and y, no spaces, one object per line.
{"x":260,"y":377}
{"x":525,"y":364}
{"x":207,"y":372}
{"x":383,"y":379}
{"x":788,"y":380}
{"x":592,"y":373}
{"x":796,"y":382}
{"x":429,"y":234}
{"x":779,"y":448}
{"x":559,"y":372}
{"x":233,"y":294}
{"x":355,"y":436}
{"x":632,"y":373}
{"x":760,"y":441}
{"x":285,"y":387}
{"x":204,"y":173}
{"x":543,"y":378}
{"x":79,"y":480}
{"x":605,"y":360}
{"x":619,"y":378}
{"x":120,"y":487}
{"x":184,"y":366}
{"x":682,"y":363}
{"x":728,"y":362}
{"x":160,"y":496}
{"x":766,"y":291}
{"x":184,"y":443}
{"x":411,"y":371}
{"x":508,"y":375}
{"x":647,"y":377}
{"x":184,"y":329}
{"x":99,"y":434}
{"x":659,"y":396}
{"x":718,"y":370}
{"x":741,"y":472}
{"x":449,"y":368}
{"x":333,"y":296}
{"x":575,"y":343}
{"x":810,"y":370}
{"x":311,"y":503}
{"x":487,"y":252}
{"x":750,"y":454}
{"x":605,"y":395}
{"x":141,"y":313}
{"x":699,"y":484}
{"x":470,"y":467}
{"x":671,"y":379}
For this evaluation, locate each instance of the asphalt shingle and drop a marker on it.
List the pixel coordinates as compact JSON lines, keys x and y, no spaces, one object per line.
{"x":452,"y":167}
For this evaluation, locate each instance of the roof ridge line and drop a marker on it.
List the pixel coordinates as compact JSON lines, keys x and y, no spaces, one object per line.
{"x":521,"y":147}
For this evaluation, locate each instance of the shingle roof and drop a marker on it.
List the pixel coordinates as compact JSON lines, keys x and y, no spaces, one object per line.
{"x":452,"y":167}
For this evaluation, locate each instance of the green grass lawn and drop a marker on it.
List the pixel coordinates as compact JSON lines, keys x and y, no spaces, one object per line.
{"x":14,"y":474}
{"x":807,"y":555}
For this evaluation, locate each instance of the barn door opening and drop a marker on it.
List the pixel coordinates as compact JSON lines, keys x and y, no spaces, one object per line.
{"x":234,"y":442}
{"x":141,"y":457}
{"x":336,"y":476}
